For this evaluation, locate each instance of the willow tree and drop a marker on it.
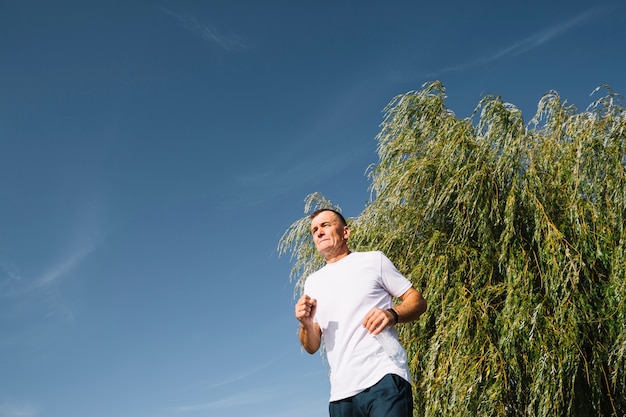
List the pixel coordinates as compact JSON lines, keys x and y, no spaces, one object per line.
{"x":515,"y":234}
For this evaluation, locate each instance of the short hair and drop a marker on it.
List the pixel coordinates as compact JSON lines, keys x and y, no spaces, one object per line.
{"x":318,"y":211}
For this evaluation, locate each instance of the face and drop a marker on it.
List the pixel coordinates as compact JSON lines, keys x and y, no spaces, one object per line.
{"x":329,"y":235}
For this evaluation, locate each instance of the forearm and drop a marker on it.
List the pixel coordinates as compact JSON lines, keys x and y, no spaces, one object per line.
{"x":310,"y":337}
{"x":412,"y":306}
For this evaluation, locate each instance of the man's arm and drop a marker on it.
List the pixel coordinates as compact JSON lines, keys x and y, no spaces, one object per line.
{"x":412,"y":306}
{"x":310,"y":337}
{"x":310,"y":333}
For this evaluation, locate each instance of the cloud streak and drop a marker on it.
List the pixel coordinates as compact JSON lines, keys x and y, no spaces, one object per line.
{"x":13,"y":410}
{"x":294,"y":164}
{"x":36,"y":297}
{"x":243,"y":375}
{"x":79,"y":241}
{"x":51,"y":275}
{"x":203,"y":385}
{"x":250,"y":397}
{"x":526,"y":44}
{"x":206,"y":31}
{"x":65,"y":265}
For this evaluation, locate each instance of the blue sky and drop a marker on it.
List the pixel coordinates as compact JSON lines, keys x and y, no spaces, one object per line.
{"x":153,"y":153}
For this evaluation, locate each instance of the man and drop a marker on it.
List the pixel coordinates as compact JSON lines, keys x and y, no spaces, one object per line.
{"x":349,"y":302}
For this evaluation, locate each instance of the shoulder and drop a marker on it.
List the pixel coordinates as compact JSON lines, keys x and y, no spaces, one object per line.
{"x":313,"y":275}
{"x":317,"y":275}
{"x":372,"y":256}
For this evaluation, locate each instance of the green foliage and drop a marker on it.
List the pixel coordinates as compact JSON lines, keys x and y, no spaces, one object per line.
{"x":515,"y":236}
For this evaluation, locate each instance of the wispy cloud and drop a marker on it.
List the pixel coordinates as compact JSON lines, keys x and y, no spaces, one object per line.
{"x":15,"y":410}
{"x":78,"y":240}
{"x":206,"y":31}
{"x":243,"y":375}
{"x":243,"y":398}
{"x":527,"y":44}
{"x":37,"y":302}
{"x":34,"y":295}
{"x":232,"y":378}
{"x":264,"y":398}
{"x":11,"y":276}
{"x":294,"y":164}
{"x":19,"y":286}
{"x":278,"y":179}
{"x":250,"y":397}
{"x":64,"y":266}
{"x":10,"y":270}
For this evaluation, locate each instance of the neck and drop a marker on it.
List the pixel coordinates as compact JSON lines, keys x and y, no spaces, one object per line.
{"x":335,"y":257}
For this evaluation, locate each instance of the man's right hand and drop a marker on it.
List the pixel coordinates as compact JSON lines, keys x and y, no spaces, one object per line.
{"x":305,"y":309}
{"x":310,"y":334}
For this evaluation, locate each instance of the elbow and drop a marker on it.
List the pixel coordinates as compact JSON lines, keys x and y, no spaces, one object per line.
{"x":310,"y":348}
{"x":420,"y":308}
{"x":423,"y":306}
{"x":310,"y":351}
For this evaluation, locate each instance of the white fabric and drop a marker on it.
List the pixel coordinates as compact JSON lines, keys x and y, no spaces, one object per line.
{"x":346,"y":291}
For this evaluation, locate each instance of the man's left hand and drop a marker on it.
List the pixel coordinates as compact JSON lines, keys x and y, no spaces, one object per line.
{"x":377,"y":319}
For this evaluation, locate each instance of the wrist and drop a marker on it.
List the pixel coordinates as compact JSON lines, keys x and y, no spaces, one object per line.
{"x":394,"y":313}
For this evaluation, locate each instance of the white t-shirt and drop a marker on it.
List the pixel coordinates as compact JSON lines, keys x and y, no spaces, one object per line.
{"x":346,"y":291}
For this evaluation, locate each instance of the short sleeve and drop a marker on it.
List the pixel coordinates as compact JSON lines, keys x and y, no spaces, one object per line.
{"x":394,"y":282}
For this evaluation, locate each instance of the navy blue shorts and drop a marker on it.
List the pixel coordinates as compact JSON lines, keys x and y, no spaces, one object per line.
{"x":390,"y":397}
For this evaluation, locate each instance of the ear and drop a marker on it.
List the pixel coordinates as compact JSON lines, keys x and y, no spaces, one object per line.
{"x":346,"y":232}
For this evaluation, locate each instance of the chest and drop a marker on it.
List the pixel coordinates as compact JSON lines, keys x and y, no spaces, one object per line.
{"x":342,"y":293}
